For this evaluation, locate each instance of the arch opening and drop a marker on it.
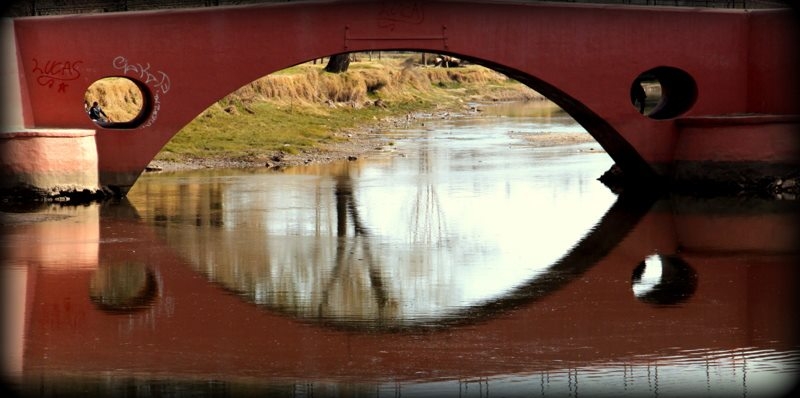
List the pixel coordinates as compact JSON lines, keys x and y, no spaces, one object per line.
{"x":373,"y":83}
{"x":117,"y":102}
{"x":624,"y":155}
{"x":262,"y":149}
{"x":376,"y":87}
{"x":620,"y":150}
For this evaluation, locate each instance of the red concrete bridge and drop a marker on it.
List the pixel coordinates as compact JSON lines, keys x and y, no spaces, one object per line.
{"x":728,"y":77}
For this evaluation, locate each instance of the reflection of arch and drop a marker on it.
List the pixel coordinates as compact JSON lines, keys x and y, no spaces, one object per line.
{"x":612,"y":228}
{"x":677,"y":282}
{"x":111,"y":290}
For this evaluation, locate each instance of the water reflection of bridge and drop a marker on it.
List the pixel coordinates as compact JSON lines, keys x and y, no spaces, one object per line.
{"x":194,"y":327}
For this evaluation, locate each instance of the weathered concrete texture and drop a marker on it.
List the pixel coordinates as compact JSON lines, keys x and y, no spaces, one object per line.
{"x":757,"y":178}
{"x":737,"y":153}
{"x":11,"y":111}
{"x":49,"y":163}
{"x":744,"y":137}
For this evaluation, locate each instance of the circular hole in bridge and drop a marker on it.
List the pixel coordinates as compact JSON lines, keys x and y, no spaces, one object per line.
{"x":663,"y":92}
{"x":117,"y":102}
{"x":664,"y":280}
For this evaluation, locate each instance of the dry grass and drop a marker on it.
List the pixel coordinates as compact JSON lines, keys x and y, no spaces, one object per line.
{"x":119,"y":98}
{"x":386,"y":80}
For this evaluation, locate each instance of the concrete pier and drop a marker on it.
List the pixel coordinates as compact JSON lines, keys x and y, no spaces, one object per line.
{"x":746,"y":150}
{"x":48,"y":163}
{"x":43,"y":162}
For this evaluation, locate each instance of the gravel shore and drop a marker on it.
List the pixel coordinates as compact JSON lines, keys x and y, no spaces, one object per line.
{"x":354,"y":144}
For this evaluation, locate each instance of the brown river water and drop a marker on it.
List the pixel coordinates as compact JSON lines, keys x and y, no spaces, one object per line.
{"x":462,"y":261}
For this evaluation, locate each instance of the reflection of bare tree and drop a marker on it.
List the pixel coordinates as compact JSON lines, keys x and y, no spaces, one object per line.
{"x":311,"y":256}
{"x":347,"y":249}
{"x":427,"y":220}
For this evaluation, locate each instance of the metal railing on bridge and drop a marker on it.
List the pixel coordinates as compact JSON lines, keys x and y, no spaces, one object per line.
{"x":691,"y":3}
{"x":57,"y":7}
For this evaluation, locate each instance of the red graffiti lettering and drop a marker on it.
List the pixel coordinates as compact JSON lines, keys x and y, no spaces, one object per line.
{"x":48,"y":72}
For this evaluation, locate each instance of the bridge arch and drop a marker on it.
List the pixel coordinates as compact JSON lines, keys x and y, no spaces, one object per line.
{"x":620,"y":150}
{"x":602,"y":131}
